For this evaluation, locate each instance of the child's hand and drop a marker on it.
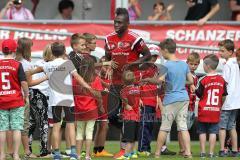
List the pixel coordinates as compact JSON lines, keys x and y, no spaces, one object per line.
{"x":140,"y":103}
{"x":128,"y":107}
{"x":109,"y":73}
{"x":96,"y":94}
{"x":192,"y":88}
{"x":102,"y":110}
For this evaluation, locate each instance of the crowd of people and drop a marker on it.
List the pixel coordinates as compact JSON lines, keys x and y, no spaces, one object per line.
{"x":200,"y":10}
{"x":125,"y":88}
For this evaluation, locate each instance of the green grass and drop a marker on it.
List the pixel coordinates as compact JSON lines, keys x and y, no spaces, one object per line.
{"x":113,"y":147}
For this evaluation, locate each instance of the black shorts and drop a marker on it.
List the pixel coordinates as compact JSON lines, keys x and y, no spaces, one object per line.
{"x":57,"y":114}
{"x":114,"y":106}
{"x":130,"y":131}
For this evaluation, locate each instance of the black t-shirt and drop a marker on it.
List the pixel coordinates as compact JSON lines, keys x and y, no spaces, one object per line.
{"x":200,"y":9}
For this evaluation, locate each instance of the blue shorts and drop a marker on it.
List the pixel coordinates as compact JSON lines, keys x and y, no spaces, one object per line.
{"x":228,"y":119}
{"x":210,"y":128}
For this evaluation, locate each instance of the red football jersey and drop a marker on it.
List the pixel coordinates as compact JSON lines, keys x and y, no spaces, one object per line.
{"x":86,"y":107}
{"x":192,"y":96}
{"x":210,"y":90}
{"x":123,"y":50}
{"x":131,"y":93}
{"x":11,"y":75}
{"x":149,"y":91}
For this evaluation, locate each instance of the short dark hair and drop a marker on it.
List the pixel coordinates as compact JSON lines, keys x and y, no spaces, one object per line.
{"x":58,"y":49}
{"x":122,"y":11}
{"x":64,"y":4}
{"x":228,"y":44}
{"x":169,"y":45}
{"x":211,"y":60}
{"x":160,"y":4}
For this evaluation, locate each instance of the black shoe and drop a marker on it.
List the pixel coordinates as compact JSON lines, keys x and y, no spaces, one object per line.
{"x":222,"y":154}
{"x":211,"y":155}
{"x":202,"y":155}
{"x":234,"y":154}
{"x":168,"y":152}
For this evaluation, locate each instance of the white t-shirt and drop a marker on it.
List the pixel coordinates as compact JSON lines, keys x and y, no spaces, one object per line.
{"x":60,"y":82}
{"x":27,"y":66}
{"x":231,"y":74}
{"x":43,"y":87}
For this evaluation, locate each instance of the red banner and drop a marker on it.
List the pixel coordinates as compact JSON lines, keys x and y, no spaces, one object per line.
{"x":207,"y":35}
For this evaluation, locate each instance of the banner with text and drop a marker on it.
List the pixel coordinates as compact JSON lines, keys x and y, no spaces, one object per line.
{"x":207,"y":35}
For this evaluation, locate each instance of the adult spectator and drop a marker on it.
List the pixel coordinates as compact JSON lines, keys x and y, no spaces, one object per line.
{"x":65,"y":8}
{"x":16,"y":11}
{"x":160,"y":12}
{"x":134,"y":9}
{"x":202,"y":10}
{"x":235,"y":8}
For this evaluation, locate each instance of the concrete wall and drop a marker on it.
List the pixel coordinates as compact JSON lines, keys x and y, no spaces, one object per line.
{"x":47,"y":9}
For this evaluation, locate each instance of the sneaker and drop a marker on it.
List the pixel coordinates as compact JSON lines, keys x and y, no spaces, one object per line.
{"x":73,"y":156}
{"x":104,"y":153}
{"x":134,"y":155}
{"x":65,"y":155}
{"x":168,"y":152}
{"x":83,"y":154}
{"x":144,"y":154}
{"x":234,"y":154}
{"x":202,"y":155}
{"x":124,"y":157}
{"x":88,"y":158}
{"x":119,"y":154}
{"x":45,"y":156}
{"x":222,"y":154}
{"x":57,"y":157}
{"x":187,"y":156}
{"x":28,"y":156}
{"x":211,"y":155}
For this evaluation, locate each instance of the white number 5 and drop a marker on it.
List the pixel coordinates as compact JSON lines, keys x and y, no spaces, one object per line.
{"x":7,"y":85}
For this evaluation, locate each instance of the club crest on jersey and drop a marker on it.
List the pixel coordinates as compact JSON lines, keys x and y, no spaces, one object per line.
{"x":112,"y":46}
{"x":124,"y":45}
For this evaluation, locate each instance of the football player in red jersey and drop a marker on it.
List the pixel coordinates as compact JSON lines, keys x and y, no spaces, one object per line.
{"x":211,"y":90}
{"x":12,"y":82}
{"x":124,"y":47}
{"x":193,"y":61}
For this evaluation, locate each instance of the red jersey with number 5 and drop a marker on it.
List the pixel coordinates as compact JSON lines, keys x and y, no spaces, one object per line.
{"x":124,"y":50}
{"x":11,"y":75}
{"x":210,"y":90}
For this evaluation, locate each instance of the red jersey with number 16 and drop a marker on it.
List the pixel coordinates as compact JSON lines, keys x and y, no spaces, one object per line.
{"x":11,"y":75}
{"x":210,"y":90}
{"x":124,"y":50}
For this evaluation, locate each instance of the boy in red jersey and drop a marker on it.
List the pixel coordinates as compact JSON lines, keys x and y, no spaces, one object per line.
{"x":149,"y":106}
{"x":130,"y":95}
{"x":211,"y":90}
{"x":102,"y":121}
{"x":193,"y":61}
{"x":12,"y":80}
